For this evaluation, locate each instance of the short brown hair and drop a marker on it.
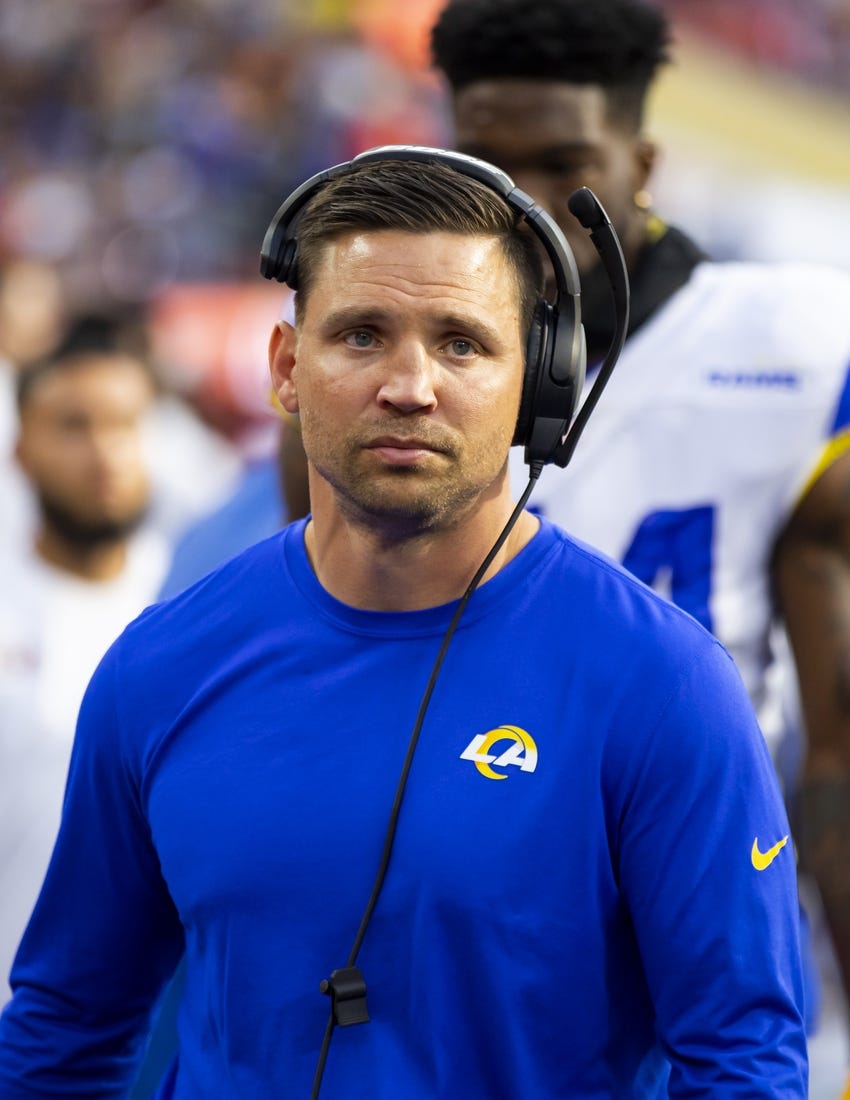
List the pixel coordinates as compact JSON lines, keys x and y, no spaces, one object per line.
{"x":416,"y":197}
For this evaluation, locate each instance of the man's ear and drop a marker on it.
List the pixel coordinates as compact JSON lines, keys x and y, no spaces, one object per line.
{"x":281,"y":363}
{"x":645,"y":156}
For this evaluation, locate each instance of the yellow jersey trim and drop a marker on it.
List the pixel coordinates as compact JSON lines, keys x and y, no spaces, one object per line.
{"x":832,"y":451}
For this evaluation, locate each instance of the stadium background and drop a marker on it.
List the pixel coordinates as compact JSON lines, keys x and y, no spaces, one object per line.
{"x":146,"y":143}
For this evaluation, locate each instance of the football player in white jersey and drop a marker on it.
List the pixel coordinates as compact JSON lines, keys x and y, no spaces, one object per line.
{"x":717,"y":465}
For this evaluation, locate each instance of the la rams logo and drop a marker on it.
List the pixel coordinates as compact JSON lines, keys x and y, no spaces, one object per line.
{"x":520,"y":751}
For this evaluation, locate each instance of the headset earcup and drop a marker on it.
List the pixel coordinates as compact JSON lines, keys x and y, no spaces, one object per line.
{"x":287,"y":266}
{"x":539,"y":335}
{"x":277,"y":257}
{"x":554,"y":381}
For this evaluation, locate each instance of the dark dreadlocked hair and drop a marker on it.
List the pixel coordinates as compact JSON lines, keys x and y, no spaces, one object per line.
{"x":617,"y":44}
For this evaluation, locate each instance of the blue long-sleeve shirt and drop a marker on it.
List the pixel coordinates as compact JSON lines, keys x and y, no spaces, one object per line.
{"x":572,"y":908}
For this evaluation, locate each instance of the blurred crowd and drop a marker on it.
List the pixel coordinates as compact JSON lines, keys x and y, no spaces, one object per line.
{"x":147,"y":143}
{"x":808,"y":39}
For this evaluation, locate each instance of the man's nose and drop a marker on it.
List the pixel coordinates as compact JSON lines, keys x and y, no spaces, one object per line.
{"x":410,"y":381}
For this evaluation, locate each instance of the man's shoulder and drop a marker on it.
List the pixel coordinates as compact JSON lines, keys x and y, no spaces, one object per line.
{"x":610,"y":594}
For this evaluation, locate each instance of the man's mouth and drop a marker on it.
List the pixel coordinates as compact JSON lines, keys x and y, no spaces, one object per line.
{"x":403,"y":450}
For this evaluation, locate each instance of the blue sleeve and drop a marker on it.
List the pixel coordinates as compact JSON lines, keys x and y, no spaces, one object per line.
{"x":104,"y":934}
{"x":710,"y":881}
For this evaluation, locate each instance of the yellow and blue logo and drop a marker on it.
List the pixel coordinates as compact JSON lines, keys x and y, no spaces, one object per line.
{"x":520,"y":751}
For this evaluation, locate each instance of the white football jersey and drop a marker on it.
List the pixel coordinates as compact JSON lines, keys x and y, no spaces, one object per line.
{"x":54,"y":629}
{"x":715,"y":418}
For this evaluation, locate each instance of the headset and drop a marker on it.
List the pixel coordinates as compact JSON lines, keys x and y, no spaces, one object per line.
{"x":555,"y":355}
{"x":554,"y":377}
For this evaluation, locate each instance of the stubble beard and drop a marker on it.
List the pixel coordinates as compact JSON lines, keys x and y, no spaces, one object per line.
{"x":399,"y":502}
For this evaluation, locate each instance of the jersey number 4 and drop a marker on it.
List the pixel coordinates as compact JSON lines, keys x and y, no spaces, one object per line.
{"x":672,"y":552}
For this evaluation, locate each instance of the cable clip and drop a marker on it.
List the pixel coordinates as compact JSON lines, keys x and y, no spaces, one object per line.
{"x":347,"y":991}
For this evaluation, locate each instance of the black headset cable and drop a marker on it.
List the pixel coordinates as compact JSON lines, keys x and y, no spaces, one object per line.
{"x":392,"y":823}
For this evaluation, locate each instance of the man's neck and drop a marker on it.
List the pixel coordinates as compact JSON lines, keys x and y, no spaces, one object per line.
{"x":100,"y":562}
{"x":364,"y":568}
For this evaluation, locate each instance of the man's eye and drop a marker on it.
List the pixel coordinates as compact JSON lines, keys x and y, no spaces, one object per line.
{"x":360,"y":339}
{"x":461,"y":348}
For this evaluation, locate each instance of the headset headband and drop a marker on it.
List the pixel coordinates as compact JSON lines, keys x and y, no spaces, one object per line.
{"x":542,"y":225}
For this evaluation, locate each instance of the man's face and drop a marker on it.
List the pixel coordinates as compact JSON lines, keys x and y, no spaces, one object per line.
{"x":553,"y":138}
{"x":81,"y":445}
{"x":406,"y":371}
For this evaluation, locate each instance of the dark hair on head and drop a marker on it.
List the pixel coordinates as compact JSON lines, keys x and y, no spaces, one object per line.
{"x":416,"y":197}
{"x":88,"y":335}
{"x":617,"y":44}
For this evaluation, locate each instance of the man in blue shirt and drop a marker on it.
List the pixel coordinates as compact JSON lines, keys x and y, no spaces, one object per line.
{"x":421,"y":752}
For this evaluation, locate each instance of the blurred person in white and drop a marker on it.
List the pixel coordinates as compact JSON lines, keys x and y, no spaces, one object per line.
{"x":70,"y":590}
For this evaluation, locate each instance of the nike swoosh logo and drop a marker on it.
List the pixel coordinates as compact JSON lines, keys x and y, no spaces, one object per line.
{"x":762,"y":860}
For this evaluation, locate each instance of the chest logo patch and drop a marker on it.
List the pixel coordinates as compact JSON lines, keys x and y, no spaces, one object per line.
{"x":762,"y":860}
{"x":511,"y":747}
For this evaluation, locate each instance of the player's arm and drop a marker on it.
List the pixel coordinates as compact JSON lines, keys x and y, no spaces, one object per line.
{"x":812,"y":581}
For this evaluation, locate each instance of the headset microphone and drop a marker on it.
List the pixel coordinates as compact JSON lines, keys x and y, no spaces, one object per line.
{"x":589,"y":211}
